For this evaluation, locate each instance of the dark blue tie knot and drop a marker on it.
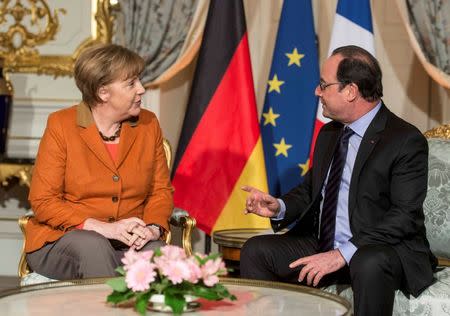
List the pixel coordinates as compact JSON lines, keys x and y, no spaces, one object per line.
{"x":347,"y":133}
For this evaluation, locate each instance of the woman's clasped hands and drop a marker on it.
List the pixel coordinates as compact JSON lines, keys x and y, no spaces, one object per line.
{"x":131,"y":231}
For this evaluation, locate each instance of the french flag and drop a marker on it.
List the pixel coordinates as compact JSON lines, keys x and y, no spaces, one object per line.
{"x":352,"y":26}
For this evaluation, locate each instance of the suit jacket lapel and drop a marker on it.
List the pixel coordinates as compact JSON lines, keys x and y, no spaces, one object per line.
{"x":368,"y":143}
{"x":93,"y":141}
{"x":89,"y":134}
{"x":128,"y":134}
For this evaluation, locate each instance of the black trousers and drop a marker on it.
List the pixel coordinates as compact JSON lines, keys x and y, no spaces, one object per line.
{"x":375,"y":271}
{"x":81,"y":254}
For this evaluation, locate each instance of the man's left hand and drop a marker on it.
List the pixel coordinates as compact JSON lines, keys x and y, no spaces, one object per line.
{"x":319,"y":265}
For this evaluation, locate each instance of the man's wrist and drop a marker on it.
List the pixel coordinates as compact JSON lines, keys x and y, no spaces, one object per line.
{"x":280,"y":212}
{"x":347,"y":251}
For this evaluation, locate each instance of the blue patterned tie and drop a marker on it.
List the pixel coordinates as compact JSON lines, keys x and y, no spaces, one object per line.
{"x":328,"y":219}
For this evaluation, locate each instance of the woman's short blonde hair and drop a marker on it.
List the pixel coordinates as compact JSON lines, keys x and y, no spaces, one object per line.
{"x":103,"y":64}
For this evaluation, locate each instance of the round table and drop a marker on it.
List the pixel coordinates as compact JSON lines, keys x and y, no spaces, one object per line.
{"x":88,"y":297}
{"x":230,"y":241}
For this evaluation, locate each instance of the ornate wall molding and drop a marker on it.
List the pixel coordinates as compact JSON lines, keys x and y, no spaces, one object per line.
{"x":18,"y":46}
{"x":21,"y":171}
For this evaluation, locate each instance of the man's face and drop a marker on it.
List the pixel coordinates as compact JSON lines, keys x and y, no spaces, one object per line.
{"x":334,"y":101}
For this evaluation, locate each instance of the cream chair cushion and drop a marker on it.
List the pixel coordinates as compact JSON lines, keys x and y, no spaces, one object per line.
{"x":437,"y":202}
{"x":34,"y":278}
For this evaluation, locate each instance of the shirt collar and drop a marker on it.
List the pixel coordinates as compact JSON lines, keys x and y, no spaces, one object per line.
{"x":360,"y":125}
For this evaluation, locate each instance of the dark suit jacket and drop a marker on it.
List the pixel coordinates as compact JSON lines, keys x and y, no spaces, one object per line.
{"x":387,"y":190}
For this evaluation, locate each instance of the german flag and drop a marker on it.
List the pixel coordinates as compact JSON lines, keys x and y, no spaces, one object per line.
{"x":220,"y":146}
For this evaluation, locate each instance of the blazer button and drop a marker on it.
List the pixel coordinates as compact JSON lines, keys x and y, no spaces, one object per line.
{"x":115,"y":178}
{"x":111,"y":219}
{"x":115,"y":199}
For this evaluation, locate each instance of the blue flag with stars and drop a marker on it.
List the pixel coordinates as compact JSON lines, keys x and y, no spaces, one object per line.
{"x":290,"y":105}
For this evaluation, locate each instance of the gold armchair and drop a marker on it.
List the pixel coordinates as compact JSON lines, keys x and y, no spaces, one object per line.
{"x":179,"y":218}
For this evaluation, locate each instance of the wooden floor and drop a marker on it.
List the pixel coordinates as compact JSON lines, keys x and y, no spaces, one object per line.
{"x":8,"y":282}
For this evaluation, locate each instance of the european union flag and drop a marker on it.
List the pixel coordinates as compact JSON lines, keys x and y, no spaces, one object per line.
{"x":290,"y":105}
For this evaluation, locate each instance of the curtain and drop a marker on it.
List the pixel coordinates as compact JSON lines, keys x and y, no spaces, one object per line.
{"x":190,"y":47}
{"x":155,"y":29}
{"x":428,"y":25}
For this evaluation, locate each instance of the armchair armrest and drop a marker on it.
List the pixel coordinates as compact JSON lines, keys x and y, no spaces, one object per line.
{"x":23,"y":266}
{"x":180,"y":218}
{"x":444,"y":262}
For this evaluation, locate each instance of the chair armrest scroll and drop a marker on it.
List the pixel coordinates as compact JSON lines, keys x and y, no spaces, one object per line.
{"x":23,"y":266}
{"x":180,"y":218}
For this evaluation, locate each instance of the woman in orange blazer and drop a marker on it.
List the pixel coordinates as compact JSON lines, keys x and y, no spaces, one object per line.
{"x":100,"y":183}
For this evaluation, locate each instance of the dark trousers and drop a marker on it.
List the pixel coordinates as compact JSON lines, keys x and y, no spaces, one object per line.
{"x":375,"y":271}
{"x":81,"y":254}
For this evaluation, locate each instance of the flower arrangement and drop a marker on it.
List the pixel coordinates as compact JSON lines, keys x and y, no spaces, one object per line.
{"x":170,"y":272}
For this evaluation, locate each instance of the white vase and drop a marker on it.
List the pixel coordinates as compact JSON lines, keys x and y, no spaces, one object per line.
{"x":157,"y":303}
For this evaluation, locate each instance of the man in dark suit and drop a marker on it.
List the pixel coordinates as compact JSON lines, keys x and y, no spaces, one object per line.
{"x":358,"y":216}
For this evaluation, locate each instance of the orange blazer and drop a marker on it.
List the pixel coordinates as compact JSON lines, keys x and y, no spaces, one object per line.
{"x":74,"y":177}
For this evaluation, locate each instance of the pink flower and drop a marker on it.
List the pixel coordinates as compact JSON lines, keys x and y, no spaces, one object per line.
{"x":169,"y":254}
{"x":211,"y":280}
{"x":173,"y":253}
{"x":195,"y":273}
{"x":215,"y":266}
{"x":140,"y":274}
{"x":131,"y":256}
{"x":170,"y":270}
{"x":146,"y":255}
{"x":210,"y":271}
{"x":142,"y":268}
{"x":176,"y":271}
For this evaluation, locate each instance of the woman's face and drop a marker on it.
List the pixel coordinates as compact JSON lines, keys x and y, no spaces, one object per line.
{"x":123,"y":97}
